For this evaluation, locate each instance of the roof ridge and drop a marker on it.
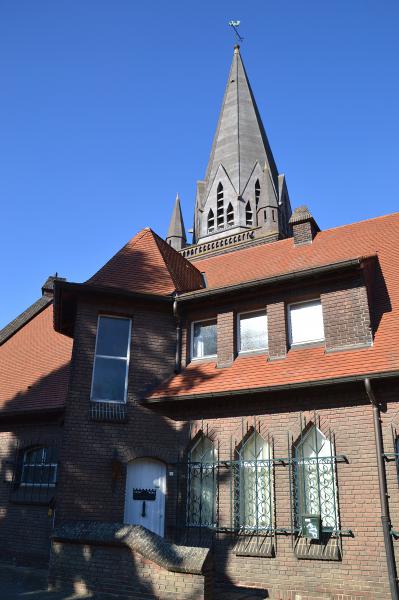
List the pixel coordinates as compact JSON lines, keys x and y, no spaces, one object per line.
{"x":362,"y":221}
{"x":163,"y":248}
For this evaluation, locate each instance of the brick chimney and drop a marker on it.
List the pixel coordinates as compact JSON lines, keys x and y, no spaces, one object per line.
{"x":304,"y":227}
{"x":48,"y":285}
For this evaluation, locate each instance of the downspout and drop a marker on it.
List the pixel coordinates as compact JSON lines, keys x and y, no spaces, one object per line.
{"x":178,"y":337}
{"x":382,"y":481}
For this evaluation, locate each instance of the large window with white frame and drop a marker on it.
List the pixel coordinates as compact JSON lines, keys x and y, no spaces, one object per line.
{"x":305,"y":322}
{"x":203,"y":339}
{"x":252,"y":331}
{"x":111,"y":360}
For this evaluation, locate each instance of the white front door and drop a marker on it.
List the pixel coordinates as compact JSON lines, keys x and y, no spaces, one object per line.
{"x":145,"y":494}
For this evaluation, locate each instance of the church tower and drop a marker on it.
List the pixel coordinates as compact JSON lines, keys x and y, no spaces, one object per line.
{"x":242,"y":192}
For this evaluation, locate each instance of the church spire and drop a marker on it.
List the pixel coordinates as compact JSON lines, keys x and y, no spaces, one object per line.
{"x":176,"y":236}
{"x":240,"y":139}
{"x":227,"y":199}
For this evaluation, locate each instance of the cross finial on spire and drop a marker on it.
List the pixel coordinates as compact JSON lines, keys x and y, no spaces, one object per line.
{"x":235,"y":25}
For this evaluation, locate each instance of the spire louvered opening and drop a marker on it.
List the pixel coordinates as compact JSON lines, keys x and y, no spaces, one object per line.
{"x":257,"y":192}
{"x":248,"y":214}
{"x":220,"y":207}
{"x":211,"y":221}
{"x":230,"y":215}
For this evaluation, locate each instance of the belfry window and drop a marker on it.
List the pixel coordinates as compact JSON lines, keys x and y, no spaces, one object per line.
{"x":111,"y":360}
{"x":248,"y":214}
{"x":201,"y":489}
{"x":257,"y":192}
{"x":230,"y":215}
{"x":255,"y":485}
{"x":220,"y":207}
{"x":315,"y":479}
{"x":211,"y":221}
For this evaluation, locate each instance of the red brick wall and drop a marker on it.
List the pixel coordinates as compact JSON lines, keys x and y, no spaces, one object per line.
{"x":87,"y":490}
{"x":362,"y":571}
{"x":86,"y":487}
{"x":87,"y":568}
{"x":25,"y":527}
{"x":346,"y":317}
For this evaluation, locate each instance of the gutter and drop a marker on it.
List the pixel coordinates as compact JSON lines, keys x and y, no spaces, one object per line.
{"x":274,"y":388}
{"x":178,"y":337}
{"x":382,"y":481}
{"x":254,"y":284}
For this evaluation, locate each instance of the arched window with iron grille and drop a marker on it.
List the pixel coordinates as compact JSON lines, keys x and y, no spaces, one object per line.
{"x":201,"y":489}
{"x":255,"y":485}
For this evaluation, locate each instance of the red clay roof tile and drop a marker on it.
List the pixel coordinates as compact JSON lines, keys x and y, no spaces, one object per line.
{"x":147,"y":264}
{"x":377,"y":236}
{"x":34,"y":366}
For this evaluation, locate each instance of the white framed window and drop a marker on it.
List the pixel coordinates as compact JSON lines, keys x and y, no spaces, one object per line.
{"x":305,"y":322}
{"x":39,"y":467}
{"x":252,"y":331}
{"x":111,"y":360}
{"x":203,"y":339}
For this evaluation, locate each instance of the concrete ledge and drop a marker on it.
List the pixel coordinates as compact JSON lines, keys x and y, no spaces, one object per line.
{"x":174,"y":558}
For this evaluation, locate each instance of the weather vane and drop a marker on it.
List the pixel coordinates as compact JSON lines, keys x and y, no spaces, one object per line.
{"x":235,"y":25}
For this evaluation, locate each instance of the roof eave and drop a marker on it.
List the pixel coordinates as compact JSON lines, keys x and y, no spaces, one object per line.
{"x":270,"y":389}
{"x":66,"y":294}
{"x":341,"y":266}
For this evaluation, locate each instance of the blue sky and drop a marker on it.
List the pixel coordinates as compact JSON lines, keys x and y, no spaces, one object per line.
{"x":108,"y":108}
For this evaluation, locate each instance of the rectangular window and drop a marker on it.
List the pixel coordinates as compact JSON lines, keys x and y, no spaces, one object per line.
{"x":203,"y":336}
{"x":111,"y":360}
{"x":305,"y":322}
{"x":252,"y":331}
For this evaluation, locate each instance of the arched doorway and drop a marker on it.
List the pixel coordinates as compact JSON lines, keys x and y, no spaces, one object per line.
{"x":145,"y":494}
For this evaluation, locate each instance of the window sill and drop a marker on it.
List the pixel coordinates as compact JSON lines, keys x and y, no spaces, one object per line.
{"x":244,"y":353}
{"x":250,"y":544}
{"x":211,"y":358}
{"x":38,"y":496}
{"x":108,"y":412}
{"x":301,"y":346}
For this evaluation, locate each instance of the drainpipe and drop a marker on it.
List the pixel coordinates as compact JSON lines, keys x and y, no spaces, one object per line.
{"x":178,"y":337}
{"x":382,"y":481}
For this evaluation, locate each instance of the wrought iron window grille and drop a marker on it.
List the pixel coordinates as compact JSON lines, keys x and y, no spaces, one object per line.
{"x":232,"y":491}
{"x":33,"y":472}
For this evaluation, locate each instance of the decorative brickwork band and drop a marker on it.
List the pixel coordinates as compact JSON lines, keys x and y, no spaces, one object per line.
{"x":277,"y":331}
{"x":225,"y":339}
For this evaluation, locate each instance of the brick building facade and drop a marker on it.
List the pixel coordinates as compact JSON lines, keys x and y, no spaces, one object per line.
{"x":222,"y":409}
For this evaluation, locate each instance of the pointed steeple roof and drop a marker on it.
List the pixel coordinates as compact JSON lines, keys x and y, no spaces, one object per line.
{"x":176,"y":225}
{"x":240,"y":140}
{"x":147,"y":264}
